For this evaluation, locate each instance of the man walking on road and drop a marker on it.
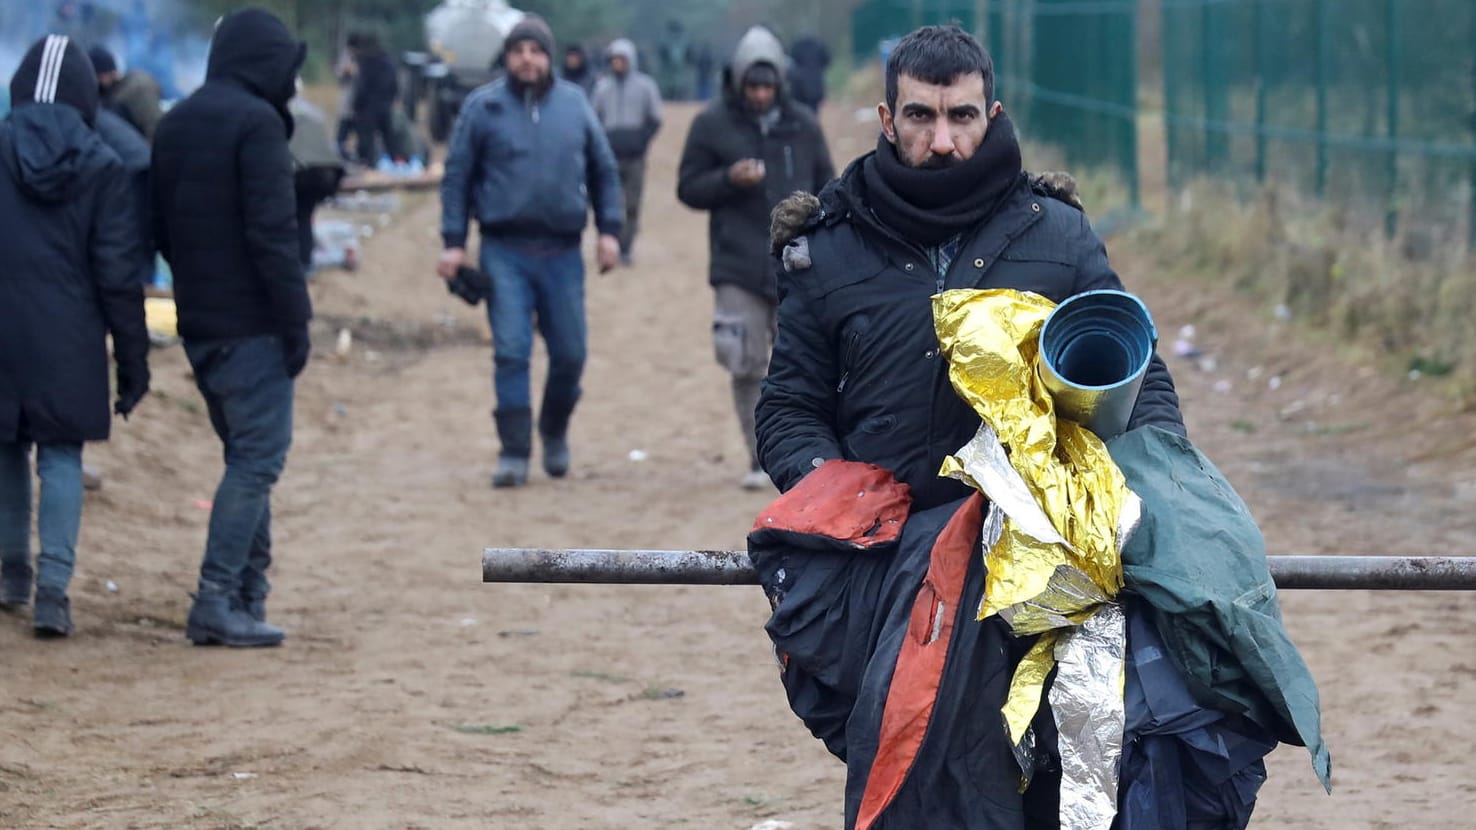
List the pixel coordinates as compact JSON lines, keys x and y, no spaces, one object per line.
{"x":68,"y":279}
{"x":527,"y":160}
{"x":226,"y":219}
{"x":744,"y":154}
{"x":628,"y":105}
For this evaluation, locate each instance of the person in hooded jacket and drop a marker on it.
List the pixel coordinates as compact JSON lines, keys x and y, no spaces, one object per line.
{"x":376,"y":86}
{"x":628,"y":105}
{"x":809,"y":58}
{"x":744,"y":154}
{"x":577,"y":70}
{"x":226,"y":219}
{"x":66,"y":283}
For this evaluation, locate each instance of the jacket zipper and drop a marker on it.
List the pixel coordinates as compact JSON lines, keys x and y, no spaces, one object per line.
{"x":847,"y":358}
{"x":789,"y":162}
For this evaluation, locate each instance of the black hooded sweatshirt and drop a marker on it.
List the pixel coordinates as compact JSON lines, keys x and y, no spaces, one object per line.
{"x":225,"y":213}
{"x":66,"y":276}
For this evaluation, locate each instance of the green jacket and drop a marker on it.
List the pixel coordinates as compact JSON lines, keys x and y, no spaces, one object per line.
{"x":1199,"y":560}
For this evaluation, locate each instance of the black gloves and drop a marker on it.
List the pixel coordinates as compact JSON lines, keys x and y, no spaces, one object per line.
{"x":295,"y":348}
{"x":133,"y":384}
{"x":471,"y":285}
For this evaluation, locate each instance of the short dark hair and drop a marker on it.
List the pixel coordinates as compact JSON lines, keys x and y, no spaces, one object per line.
{"x":938,"y":55}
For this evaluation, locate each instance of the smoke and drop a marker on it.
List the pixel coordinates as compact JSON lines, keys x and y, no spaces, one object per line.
{"x":160,"y":37}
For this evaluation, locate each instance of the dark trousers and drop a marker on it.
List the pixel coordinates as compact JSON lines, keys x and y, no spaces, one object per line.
{"x":249,"y":397}
{"x":632,"y":182}
{"x":373,"y":130}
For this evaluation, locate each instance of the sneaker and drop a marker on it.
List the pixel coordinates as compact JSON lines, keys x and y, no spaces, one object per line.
{"x":755,"y":480}
{"x":92,"y":478}
{"x":53,"y":615}
{"x":511,"y":472}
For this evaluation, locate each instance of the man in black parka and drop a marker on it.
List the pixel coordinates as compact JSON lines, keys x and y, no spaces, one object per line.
{"x":744,"y":154}
{"x":68,"y":279}
{"x":859,"y":391}
{"x":942,"y":203}
{"x":226,"y":219}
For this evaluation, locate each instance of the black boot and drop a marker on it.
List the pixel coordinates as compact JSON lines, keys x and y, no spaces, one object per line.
{"x":219,"y":619}
{"x":53,"y":614}
{"x":15,"y":585}
{"x":515,"y":429}
{"x":553,"y":429}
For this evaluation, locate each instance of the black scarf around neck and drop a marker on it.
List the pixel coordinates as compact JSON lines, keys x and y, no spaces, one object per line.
{"x":932,"y":206}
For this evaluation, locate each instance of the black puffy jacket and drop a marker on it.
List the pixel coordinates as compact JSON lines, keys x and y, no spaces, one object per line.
{"x":225,"y":210}
{"x":856,"y":371}
{"x":67,"y":277}
{"x":795,"y":158}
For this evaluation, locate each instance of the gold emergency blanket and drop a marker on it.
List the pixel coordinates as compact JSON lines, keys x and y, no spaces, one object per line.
{"x":1055,"y":565}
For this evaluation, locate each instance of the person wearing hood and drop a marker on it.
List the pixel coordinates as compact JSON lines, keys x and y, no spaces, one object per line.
{"x":744,"y":154}
{"x":576,"y":69}
{"x":134,"y":95}
{"x":809,"y":58}
{"x":226,"y":220}
{"x":528,"y":160}
{"x":67,"y":282}
{"x":628,"y":105}
{"x":376,"y":86}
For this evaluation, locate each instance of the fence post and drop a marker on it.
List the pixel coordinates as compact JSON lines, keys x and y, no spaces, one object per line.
{"x":1391,"y":210}
{"x":1168,"y":44}
{"x":1216,"y":95}
{"x":1129,"y":95}
{"x":1262,"y":82}
{"x":1322,"y":50}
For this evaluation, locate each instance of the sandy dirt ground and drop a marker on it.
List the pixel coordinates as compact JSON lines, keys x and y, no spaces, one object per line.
{"x":409,"y":694}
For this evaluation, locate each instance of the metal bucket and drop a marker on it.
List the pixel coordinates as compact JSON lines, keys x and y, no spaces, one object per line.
{"x":1094,"y":352}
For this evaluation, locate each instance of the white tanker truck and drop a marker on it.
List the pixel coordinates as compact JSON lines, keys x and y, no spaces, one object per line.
{"x":464,"y":39}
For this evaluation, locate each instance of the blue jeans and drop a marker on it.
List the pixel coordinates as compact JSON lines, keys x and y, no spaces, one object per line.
{"x":528,"y":288}
{"x":249,"y":397}
{"x":59,"y":517}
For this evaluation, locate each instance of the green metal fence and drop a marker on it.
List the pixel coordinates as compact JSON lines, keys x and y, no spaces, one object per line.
{"x":1066,"y":69}
{"x":1370,"y":104}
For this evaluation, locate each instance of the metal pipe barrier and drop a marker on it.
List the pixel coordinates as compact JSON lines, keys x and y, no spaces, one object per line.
{"x":731,"y":567}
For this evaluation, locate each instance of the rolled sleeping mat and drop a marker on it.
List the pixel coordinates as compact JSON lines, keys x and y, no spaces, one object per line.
{"x":1094,"y":352}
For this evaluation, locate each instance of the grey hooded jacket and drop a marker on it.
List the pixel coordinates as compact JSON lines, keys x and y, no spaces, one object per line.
{"x":629,"y":106}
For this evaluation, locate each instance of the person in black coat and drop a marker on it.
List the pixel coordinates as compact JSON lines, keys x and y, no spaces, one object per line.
{"x":375,"y":89}
{"x":67,"y":281}
{"x":809,"y":58}
{"x":942,"y":203}
{"x":226,"y":219}
{"x":744,"y":154}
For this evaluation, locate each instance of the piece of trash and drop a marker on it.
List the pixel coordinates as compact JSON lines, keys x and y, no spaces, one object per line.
{"x":1208,"y":364}
{"x":1274,"y":383}
{"x":111,"y":586}
{"x":1223,"y":386}
{"x":243,"y":776}
{"x":1414,"y":374}
{"x":339,"y":410}
{"x":1283,"y":313}
{"x":662,"y":694}
{"x":638,"y":455}
{"x":345,"y":342}
{"x":1185,"y":348}
{"x":204,"y":504}
{"x":772,"y":824}
{"x":468,"y":622}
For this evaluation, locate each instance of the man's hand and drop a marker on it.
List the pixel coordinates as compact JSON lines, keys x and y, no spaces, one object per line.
{"x":746,"y":172}
{"x":607,"y":253}
{"x":451,"y":259}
